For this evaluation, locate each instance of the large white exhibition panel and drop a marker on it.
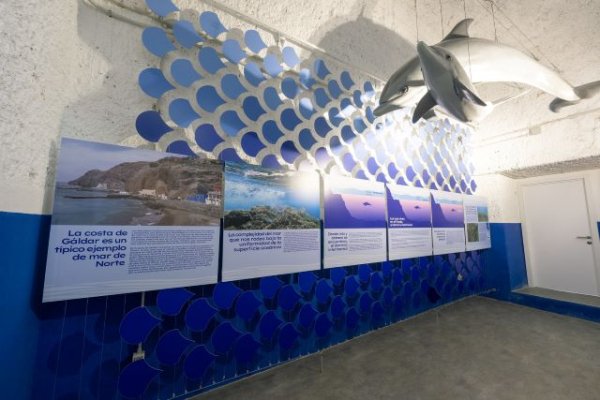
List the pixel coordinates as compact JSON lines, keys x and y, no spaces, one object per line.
{"x":409,"y":222}
{"x":447,"y":220}
{"x":354,"y":222}
{"x":477,"y":224}
{"x":129,"y":220}
{"x":271,"y":222}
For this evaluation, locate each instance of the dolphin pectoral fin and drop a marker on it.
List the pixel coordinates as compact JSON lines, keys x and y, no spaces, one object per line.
{"x":425,"y":105}
{"x":586,"y":91}
{"x":460,"y":30}
{"x":429,"y":114}
{"x":468,"y":94}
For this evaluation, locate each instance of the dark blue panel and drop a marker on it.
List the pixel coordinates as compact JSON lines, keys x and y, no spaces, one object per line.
{"x":231,"y":86}
{"x":207,"y":137}
{"x":505,"y":261}
{"x":365,"y":303}
{"x":306,"y":78}
{"x":271,"y":132}
{"x":289,"y":119}
{"x":184,"y":72}
{"x":247,"y":306}
{"x":306,"y":281}
{"x":252,"y":108}
{"x":180,"y":147}
{"x":349,"y":162}
{"x":321,"y":97}
{"x":288,"y":298}
{"x":269,"y":286}
{"x":323,"y":291}
{"x":322,"y":325}
{"x":306,"y":139}
{"x":156,"y":41}
{"x":137,"y":325}
{"x":245,"y":348}
{"x":151,"y":126}
{"x":171,"y":301}
{"x":210,"y":23}
{"x":346,"y":80}
{"x":272,"y":98}
{"x":306,"y":316}
{"x":272,"y":65}
{"x":161,"y":8}
{"x":337,"y":307}
{"x":352,"y":318}
{"x":186,"y":34}
{"x":334,"y":89}
{"x":290,"y":57}
{"x":289,"y":87}
{"x":322,"y":127}
{"x":254,"y":41}
{"x":288,"y":335}
{"x":225,"y":294}
{"x":232,"y":51}
{"x":209,"y":59}
{"x":351,"y":286}
{"x":182,"y":113}
{"x":208,"y":98}
{"x":199,"y":315}
{"x":364,"y":273}
{"x":198,"y":362}
{"x":268,"y":325}
{"x":270,"y":161}
{"x":135,"y":378}
{"x":171,"y":346}
{"x":289,"y":152}
{"x":337,"y":275}
{"x":251,"y":144}
{"x":153,"y":82}
{"x":556,"y":306}
{"x":231,"y":123}
{"x":253,"y":74}
{"x":356,"y":97}
{"x":335,"y":117}
{"x":321,"y":69}
{"x":223,"y":338}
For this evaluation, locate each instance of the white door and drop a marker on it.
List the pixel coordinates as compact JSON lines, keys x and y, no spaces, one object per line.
{"x":558,"y":237}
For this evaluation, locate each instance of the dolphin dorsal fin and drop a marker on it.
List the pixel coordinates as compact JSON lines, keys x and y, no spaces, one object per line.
{"x":461,"y":30}
{"x":426,"y":103}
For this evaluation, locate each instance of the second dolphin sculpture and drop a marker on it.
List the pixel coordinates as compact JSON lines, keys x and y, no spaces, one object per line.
{"x":486,"y":61}
{"x":449,"y":87}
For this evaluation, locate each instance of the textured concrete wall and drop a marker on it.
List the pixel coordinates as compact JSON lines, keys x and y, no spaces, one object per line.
{"x":66,"y":69}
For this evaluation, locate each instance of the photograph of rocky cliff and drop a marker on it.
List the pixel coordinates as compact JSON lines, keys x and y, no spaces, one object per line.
{"x":102,"y":184}
{"x":258,"y":198}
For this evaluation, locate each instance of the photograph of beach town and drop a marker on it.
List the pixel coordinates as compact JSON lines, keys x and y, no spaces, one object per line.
{"x":103,"y":184}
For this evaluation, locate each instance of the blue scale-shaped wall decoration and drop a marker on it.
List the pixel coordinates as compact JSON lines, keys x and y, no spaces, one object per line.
{"x":247,"y":96}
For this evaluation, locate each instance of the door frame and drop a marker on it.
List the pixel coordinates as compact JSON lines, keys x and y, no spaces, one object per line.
{"x":591,"y":186}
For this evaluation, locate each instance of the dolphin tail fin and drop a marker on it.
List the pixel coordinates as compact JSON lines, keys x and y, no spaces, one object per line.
{"x":426,"y":103}
{"x":586,"y":91}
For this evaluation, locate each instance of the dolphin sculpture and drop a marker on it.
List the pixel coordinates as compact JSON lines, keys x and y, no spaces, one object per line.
{"x":449,"y":87}
{"x":486,"y":61}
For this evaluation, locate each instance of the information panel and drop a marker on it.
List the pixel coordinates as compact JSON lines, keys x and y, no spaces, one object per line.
{"x":130,"y":220}
{"x":477,"y":223}
{"x":409,"y":222}
{"x":447,"y":220}
{"x":271,"y":222}
{"x":354,"y":222}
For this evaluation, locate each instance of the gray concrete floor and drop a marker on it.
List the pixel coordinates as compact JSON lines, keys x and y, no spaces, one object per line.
{"x":474,"y":349}
{"x":584,"y":299}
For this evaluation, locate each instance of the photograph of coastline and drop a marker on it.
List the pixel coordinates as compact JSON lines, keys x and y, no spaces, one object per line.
{"x":354,"y":203}
{"x":447,"y":210}
{"x":258,"y":198}
{"x":482,"y":214}
{"x":104,"y":184}
{"x":408,"y":207}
